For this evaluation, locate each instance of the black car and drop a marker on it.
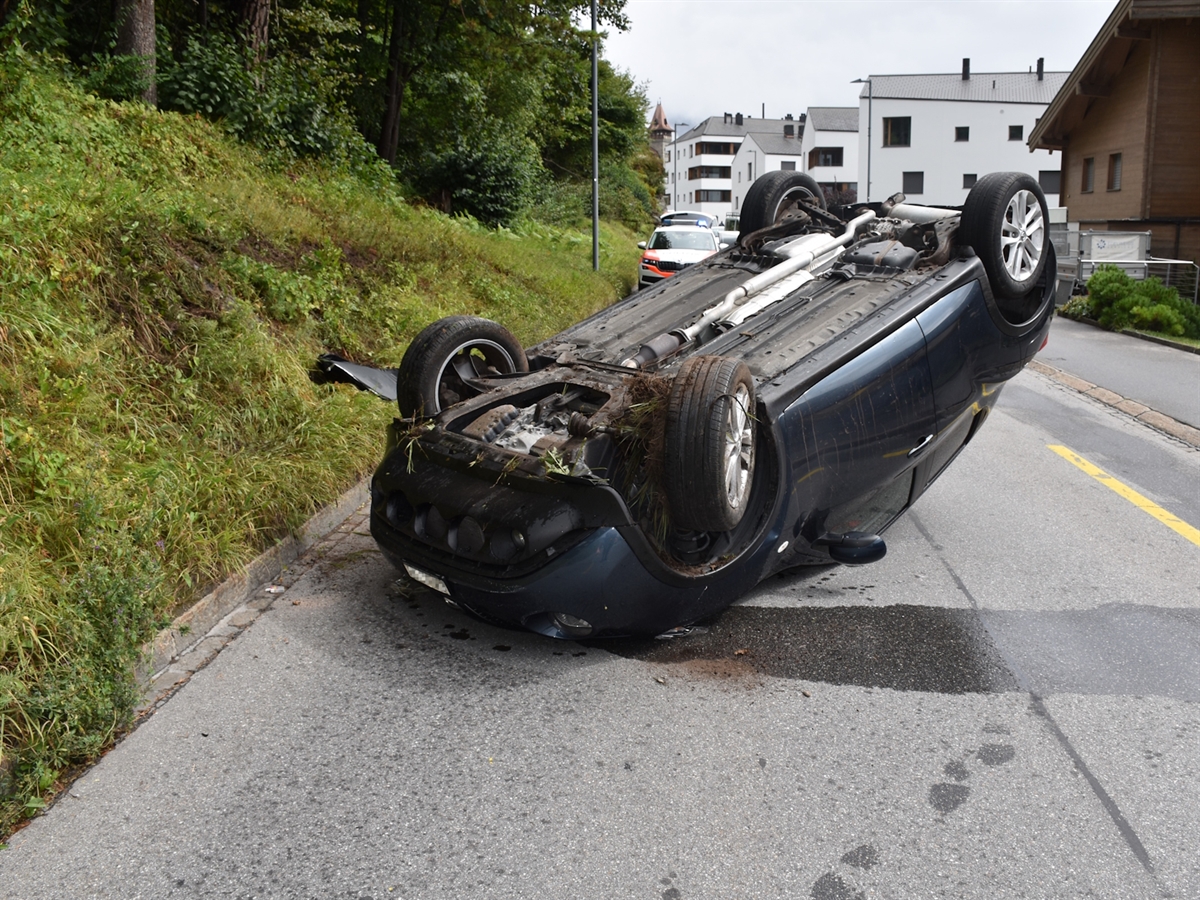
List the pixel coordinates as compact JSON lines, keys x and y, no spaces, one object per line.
{"x":779,"y":404}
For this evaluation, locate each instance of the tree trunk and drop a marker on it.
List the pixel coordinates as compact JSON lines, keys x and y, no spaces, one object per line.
{"x":255,"y":17}
{"x":135,"y":37}
{"x":389,"y":133}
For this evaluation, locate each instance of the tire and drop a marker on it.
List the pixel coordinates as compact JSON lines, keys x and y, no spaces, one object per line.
{"x":710,"y":443}
{"x":1005,"y":221}
{"x":444,"y":354}
{"x":774,"y":194}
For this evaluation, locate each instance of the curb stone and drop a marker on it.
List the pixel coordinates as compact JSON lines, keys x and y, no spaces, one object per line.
{"x":1144,"y":414}
{"x":201,"y":631}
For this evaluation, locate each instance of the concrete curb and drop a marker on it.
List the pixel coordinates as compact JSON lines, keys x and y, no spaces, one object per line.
{"x":191,"y":627}
{"x":1153,"y":418}
{"x":1129,"y":332}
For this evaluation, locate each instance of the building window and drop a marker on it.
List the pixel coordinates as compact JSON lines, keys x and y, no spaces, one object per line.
{"x":691,"y":150}
{"x":824,"y":156}
{"x":1089,"y":175}
{"x":1114,"y":171}
{"x":914,"y":183}
{"x":713,"y":196}
{"x":1051,"y":181}
{"x":969,"y":180}
{"x":668,"y":156}
{"x":897,"y":131}
{"x":717,"y":148}
{"x":708,"y":172}
{"x":749,"y":171}
{"x":962,"y":133}
{"x":788,"y":165}
{"x":1016,"y":132}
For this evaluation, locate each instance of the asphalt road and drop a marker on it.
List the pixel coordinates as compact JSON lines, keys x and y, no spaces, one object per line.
{"x":1008,"y":705}
{"x":1163,"y":378}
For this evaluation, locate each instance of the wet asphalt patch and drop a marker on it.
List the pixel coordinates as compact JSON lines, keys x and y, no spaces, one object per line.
{"x":906,"y":648}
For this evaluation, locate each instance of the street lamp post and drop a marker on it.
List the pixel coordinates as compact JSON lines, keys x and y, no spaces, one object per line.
{"x":675,"y":164}
{"x":870,"y":118}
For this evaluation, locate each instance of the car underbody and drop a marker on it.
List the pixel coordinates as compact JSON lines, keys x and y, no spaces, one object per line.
{"x":779,"y":404}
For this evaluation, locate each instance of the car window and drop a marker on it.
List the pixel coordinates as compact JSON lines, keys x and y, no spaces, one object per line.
{"x":682,"y":240}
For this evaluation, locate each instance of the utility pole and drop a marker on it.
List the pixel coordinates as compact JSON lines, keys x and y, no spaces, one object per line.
{"x":595,"y":144}
{"x":870,"y":118}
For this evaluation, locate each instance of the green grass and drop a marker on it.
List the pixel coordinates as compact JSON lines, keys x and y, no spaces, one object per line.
{"x":163,"y":292}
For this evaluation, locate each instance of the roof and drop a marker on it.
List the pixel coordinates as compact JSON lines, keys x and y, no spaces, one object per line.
{"x":833,"y":118}
{"x":981,"y":87}
{"x":659,"y":122}
{"x":1102,"y":60}
{"x":716,"y":126}
{"x":776,"y":144}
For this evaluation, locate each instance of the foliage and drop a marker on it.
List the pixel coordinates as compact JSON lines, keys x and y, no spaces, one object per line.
{"x":476,"y":104}
{"x":162,"y":292}
{"x":285,"y":103}
{"x":1117,"y":301}
{"x":487,"y":177}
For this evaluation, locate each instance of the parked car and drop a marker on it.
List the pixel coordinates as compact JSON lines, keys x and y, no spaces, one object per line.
{"x":776,"y":405}
{"x":687,"y":217}
{"x":671,"y":249}
{"x":728,"y":229}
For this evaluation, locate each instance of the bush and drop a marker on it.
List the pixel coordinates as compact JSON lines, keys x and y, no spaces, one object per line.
{"x":283,"y":104}
{"x":488,"y":178}
{"x":1118,"y":301}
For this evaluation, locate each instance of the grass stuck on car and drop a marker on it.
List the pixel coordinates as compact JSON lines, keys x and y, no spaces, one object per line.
{"x":777,"y":403}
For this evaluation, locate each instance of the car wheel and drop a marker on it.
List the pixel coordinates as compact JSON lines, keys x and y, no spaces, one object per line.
{"x":447,"y":353}
{"x":775,"y":194}
{"x":709,"y":443}
{"x":1005,"y":222}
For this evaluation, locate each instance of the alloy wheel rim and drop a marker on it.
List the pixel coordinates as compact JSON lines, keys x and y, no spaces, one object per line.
{"x":739,"y":447}
{"x":472,"y":359}
{"x":1022,"y":236}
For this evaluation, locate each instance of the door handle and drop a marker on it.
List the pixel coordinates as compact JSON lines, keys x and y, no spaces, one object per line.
{"x":921,"y":446}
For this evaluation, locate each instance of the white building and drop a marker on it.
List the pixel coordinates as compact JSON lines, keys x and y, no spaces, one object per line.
{"x":699,"y":163}
{"x":765,"y":151}
{"x":932,"y":136}
{"x":830,"y":148}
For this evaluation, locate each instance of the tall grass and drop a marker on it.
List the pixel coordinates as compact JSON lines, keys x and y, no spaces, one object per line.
{"x":162,"y":294}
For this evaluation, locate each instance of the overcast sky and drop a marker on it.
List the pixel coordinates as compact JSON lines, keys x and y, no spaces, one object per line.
{"x":706,"y":57}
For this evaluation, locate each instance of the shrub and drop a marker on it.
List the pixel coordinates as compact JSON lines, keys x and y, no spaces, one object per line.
{"x":1118,"y":301}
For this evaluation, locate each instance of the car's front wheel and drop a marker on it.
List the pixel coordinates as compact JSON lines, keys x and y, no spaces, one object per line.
{"x":773,"y":195}
{"x":1005,"y":221}
{"x":710,"y":443}
{"x":445,"y":355}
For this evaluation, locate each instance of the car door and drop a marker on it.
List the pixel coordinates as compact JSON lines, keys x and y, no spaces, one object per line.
{"x":854,"y":438}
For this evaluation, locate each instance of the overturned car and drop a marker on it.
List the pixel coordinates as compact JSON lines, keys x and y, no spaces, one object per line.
{"x":779,"y":404}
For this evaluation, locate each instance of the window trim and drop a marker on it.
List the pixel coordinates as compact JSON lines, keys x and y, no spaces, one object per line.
{"x":887,"y":131}
{"x":1113,"y":181}
{"x":904,"y":176}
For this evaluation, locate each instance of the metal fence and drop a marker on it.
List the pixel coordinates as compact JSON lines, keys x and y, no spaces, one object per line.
{"x":1181,"y":274}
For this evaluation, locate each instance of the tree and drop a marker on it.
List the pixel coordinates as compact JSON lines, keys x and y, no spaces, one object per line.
{"x":136,"y":37}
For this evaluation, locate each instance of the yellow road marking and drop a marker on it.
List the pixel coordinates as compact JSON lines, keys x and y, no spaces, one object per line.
{"x":1146,"y":505}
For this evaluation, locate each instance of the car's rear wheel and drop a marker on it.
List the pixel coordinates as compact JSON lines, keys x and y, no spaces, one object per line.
{"x":446,"y":354}
{"x":1005,"y":221}
{"x":710,"y":443}
{"x":775,"y":194}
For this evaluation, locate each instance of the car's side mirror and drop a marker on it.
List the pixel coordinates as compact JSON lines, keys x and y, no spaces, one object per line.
{"x":725,"y":246}
{"x":641,"y":245}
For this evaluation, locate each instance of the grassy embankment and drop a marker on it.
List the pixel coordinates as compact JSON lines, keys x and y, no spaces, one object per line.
{"x":163,"y":291}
